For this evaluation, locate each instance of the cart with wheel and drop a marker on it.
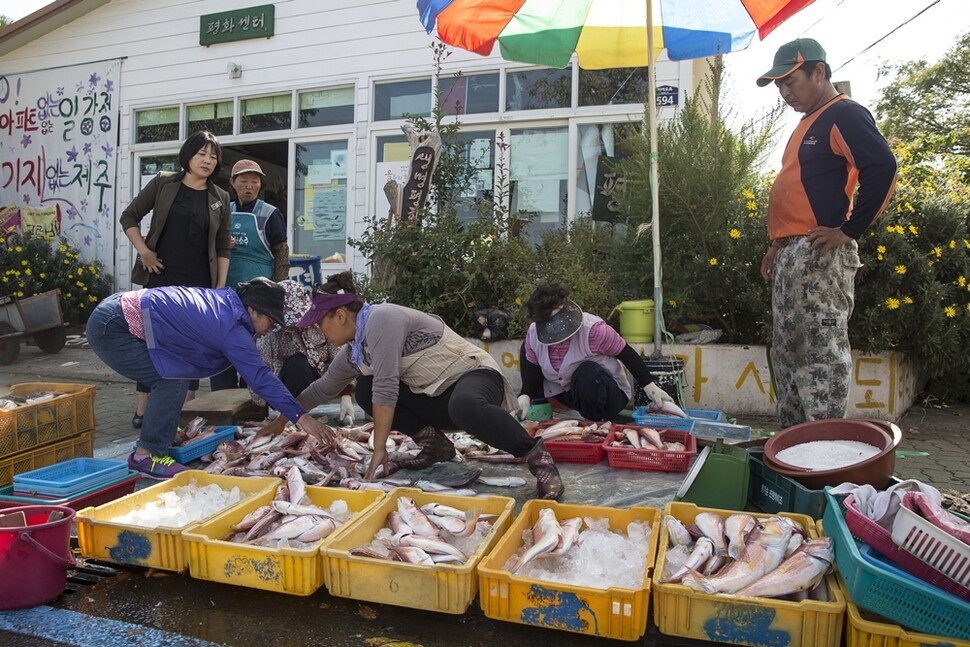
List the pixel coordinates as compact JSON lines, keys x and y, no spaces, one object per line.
{"x":38,"y":316}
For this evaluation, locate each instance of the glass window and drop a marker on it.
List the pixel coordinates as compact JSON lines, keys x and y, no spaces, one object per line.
{"x":393,"y":163}
{"x":214,"y":117}
{"x":538,"y":178}
{"x":613,"y":87}
{"x":479,"y":153}
{"x":402,"y":98}
{"x":538,"y":89}
{"x":327,"y":107}
{"x":261,"y":114}
{"x":157,"y":125}
{"x":600,"y":145}
{"x":320,"y":201}
{"x":469,"y":95}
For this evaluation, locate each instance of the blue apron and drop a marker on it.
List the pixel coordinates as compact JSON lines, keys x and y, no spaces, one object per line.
{"x":251,"y":257}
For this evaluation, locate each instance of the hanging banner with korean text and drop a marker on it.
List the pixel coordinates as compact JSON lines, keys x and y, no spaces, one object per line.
{"x":59,"y":138}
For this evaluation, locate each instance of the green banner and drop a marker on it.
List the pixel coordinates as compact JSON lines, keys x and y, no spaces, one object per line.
{"x":239,"y":24}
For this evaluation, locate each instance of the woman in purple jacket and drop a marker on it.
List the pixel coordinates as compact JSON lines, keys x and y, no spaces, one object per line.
{"x":164,"y":337}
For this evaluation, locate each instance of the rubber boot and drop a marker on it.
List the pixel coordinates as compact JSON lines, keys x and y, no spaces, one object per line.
{"x":435,"y":448}
{"x":548,"y":482}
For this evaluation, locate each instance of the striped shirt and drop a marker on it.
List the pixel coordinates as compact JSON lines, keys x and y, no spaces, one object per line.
{"x":131,"y":309}
{"x":603,"y":340}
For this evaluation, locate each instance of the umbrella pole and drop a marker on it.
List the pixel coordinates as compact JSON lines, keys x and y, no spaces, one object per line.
{"x":654,"y":182}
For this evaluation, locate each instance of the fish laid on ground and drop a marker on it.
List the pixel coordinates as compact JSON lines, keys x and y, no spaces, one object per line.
{"x":762,"y":554}
{"x":736,"y":528}
{"x":546,"y":535}
{"x":800,"y":572}
{"x":502,"y":481}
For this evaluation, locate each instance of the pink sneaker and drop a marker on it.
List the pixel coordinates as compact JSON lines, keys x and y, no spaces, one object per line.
{"x":155,"y":467}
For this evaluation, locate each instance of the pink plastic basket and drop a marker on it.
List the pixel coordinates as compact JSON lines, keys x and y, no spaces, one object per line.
{"x":655,"y":460}
{"x":881,"y":539}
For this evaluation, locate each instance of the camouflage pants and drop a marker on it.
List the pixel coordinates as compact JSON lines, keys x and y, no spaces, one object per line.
{"x":811,"y":302}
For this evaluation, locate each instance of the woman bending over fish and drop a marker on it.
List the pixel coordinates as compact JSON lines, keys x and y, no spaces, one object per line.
{"x":578,"y":359}
{"x":418,"y":376}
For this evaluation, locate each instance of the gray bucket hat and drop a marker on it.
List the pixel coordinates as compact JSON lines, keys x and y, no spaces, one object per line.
{"x":563,"y":324}
{"x":264,"y":296}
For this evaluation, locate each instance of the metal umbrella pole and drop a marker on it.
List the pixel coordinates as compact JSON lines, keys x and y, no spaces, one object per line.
{"x":654,"y":180}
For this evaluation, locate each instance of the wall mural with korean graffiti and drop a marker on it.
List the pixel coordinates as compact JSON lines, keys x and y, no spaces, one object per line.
{"x":58,"y":154}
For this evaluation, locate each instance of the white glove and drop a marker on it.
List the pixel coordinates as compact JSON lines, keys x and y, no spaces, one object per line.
{"x":525,"y":402}
{"x":656,"y":395}
{"x":346,"y":415}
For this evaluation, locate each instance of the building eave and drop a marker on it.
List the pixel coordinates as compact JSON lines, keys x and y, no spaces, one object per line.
{"x":44,"y":21}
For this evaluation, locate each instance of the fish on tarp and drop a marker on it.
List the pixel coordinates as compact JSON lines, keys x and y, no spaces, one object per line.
{"x":763,"y":552}
{"x":502,"y":481}
{"x":546,"y":535}
{"x":800,"y":572}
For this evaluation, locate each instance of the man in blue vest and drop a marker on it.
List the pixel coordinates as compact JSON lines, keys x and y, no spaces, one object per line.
{"x":259,"y":246}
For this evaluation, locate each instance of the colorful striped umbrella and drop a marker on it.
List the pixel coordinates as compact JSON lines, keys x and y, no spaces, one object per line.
{"x":608,"y":34}
{"x":602,"y":33}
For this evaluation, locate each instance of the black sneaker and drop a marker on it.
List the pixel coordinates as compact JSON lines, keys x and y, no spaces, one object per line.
{"x":136,"y":421}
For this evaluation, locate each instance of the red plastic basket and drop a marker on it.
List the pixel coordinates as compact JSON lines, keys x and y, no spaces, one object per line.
{"x":571,"y":451}
{"x":655,"y":460}
{"x":881,"y":539}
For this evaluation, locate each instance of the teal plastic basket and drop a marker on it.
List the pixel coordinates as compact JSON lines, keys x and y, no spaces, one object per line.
{"x":200,"y":448}
{"x":902,"y":599}
{"x":69,"y":477}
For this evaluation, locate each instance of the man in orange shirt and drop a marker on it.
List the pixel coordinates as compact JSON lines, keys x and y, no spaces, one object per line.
{"x":815,"y":217}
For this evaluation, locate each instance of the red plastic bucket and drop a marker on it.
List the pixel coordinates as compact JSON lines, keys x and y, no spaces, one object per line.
{"x":34,"y":558}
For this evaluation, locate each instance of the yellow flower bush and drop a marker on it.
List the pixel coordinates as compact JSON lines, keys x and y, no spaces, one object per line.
{"x":48,"y":267}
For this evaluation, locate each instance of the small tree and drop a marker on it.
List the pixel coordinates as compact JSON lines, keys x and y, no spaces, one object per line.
{"x":711,"y":219}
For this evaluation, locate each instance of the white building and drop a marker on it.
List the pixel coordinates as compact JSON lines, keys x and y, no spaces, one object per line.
{"x":97,"y":95}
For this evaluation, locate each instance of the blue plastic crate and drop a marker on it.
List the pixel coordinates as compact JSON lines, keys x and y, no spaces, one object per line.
{"x":199,"y":448}
{"x":644,"y":419}
{"x":70,"y":477}
{"x":901,"y":599}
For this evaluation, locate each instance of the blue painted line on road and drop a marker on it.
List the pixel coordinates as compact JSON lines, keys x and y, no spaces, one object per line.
{"x":73,"y":628}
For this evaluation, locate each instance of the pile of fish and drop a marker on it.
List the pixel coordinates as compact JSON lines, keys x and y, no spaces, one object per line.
{"x":634,"y":437}
{"x":11,"y":402}
{"x":741,"y":555}
{"x":578,"y":431}
{"x":343,"y":464}
{"x":571,"y":552}
{"x":291,"y":520}
{"x":432,"y":534}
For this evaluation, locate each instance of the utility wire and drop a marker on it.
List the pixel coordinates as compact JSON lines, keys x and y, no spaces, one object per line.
{"x":887,"y":35}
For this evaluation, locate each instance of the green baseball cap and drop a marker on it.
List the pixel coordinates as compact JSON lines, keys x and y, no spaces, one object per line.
{"x":790,"y":57}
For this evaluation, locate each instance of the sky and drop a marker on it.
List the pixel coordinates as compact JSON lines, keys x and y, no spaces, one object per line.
{"x":845,"y":28}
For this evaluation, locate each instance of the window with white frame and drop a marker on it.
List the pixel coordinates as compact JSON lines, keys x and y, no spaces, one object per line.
{"x":398,"y":99}
{"x":157,"y":125}
{"x":538,"y":178}
{"x":330,"y":107}
{"x":262,"y":114}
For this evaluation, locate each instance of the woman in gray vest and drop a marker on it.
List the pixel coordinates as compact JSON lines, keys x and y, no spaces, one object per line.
{"x":578,"y":359}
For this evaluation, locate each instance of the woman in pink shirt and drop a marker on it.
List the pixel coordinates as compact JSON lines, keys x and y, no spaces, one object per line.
{"x":578,"y":359}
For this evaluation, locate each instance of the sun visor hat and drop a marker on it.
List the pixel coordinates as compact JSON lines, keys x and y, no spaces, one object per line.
{"x":265,"y":296}
{"x":563,"y":324}
{"x":790,"y":57}
{"x":322,"y":304}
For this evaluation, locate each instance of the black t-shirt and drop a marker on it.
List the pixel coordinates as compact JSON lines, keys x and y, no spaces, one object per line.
{"x":183,"y":247}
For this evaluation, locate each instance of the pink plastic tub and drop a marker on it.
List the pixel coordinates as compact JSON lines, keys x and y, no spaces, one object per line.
{"x":42,"y":550}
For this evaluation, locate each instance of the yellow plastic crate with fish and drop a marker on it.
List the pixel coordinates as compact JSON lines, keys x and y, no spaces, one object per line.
{"x":618,"y":613}
{"x":443,"y":587}
{"x":43,"y":423}
{"x":161,"y":547}
{"x":298,"y":571}
{"x":727,"y":618}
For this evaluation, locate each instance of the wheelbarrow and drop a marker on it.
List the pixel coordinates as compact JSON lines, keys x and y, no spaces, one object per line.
{"x":38,"y":316}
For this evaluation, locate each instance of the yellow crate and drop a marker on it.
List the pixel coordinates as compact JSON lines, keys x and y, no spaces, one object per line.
{"x":447,"y":588}
{"x":43,"y":423}
{"x":680,"y":611}
{"x":162,"y":547}
{"x":78,"y":447}
{"x":865,"y":629}
{"x":609,"y":613}
{"x":284,"y":570}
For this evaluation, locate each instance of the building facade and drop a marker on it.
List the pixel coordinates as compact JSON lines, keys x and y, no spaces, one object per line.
{"x":96,"y":96}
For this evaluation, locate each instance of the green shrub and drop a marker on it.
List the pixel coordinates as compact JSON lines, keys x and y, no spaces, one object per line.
{"x":30,"y":265}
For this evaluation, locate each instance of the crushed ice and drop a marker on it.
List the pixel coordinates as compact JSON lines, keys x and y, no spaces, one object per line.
{"x":181,"y":506}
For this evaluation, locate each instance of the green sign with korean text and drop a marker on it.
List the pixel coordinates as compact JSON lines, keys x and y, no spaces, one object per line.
{"x":239,"y":24}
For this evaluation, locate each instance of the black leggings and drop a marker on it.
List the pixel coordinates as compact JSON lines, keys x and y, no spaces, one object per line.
{"x":472,"y":404}
{"x":594,"y":393}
